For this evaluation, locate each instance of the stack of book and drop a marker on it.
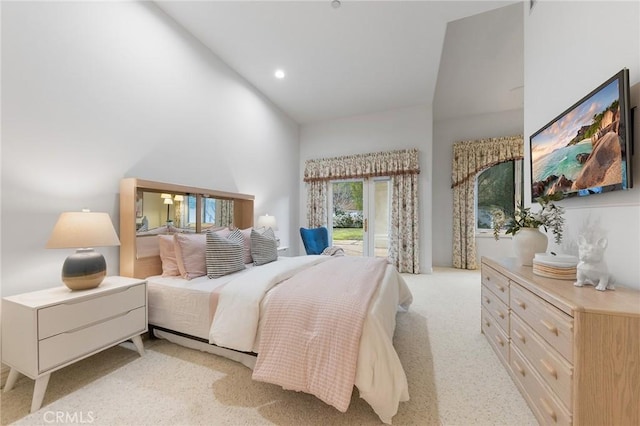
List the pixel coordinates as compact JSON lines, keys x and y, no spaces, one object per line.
{"x":560,"y":267}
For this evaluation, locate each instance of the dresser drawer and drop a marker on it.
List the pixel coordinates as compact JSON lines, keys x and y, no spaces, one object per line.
{"x":552,"y":368}
{"x":547,"y":407}
{"x":553,"y":325}
{"x":65,"y":347}
{"x":496,"y":307}
{"x":73,"y":315}
{"x":496,"y":282}
{"x":496,"y":337}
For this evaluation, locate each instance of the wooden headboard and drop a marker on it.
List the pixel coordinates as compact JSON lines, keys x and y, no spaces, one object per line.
{"x":133,"y":264}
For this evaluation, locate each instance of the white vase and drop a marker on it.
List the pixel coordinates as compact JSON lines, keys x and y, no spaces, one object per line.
{"x":526,"y":243}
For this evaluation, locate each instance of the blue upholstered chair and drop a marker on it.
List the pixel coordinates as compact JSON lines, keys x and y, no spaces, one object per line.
{"x":315,"y":240}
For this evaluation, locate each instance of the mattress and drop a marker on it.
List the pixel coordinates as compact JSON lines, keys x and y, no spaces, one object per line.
{"x":185,"y":306}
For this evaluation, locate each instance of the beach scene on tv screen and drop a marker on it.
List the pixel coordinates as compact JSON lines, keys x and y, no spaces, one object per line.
{"x":581,"y":152}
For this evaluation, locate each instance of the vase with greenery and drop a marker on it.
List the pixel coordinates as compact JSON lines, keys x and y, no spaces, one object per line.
{"x":549,"y":218}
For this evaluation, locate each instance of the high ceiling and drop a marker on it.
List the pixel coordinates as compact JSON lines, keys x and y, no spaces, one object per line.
{"x":360,"y":58}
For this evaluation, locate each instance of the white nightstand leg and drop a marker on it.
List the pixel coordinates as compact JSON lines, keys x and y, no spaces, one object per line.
{"x":139,"y":346}
{"x":38,"y":392}
{"x":11,"y":379}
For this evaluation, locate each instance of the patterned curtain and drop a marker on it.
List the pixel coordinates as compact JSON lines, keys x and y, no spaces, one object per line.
{"x":469,"y":159}
{"x":224,"y":212}
{"x":317,"y":203}
{"x":403,"y":167}
{"x":404,"y":238}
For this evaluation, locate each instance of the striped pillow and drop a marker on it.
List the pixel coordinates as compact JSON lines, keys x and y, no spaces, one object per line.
{"x":224,"y":255}
{"x":264,"y":248}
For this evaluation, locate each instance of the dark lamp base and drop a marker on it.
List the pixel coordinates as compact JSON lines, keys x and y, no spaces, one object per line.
{"x":84,"y":269}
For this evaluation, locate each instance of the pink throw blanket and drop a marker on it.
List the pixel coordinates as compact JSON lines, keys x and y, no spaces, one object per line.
{"x":312,"y":327}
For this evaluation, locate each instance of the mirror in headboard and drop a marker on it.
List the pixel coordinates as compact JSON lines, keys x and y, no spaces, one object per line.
{"x":168,"y":210}
{"x":149,"y":209}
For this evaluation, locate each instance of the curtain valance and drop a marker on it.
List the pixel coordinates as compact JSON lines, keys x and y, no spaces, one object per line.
{"x":471,"y":157}
{"x":390,"y":163}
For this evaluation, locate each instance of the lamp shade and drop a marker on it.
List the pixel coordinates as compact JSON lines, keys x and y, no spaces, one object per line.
{"x":82,"y":230}
{"x":85,"y":268}
{"x":267,"y":221}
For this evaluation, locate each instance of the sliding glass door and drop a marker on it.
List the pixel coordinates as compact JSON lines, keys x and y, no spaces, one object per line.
{"x":359,"y":216}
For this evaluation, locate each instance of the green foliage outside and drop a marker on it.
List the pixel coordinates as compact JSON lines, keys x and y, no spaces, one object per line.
{"x":340,"y":234}
{"x":347,"y":220}
{"x":347,"y":195}
{"x":495,"y":191}
{"x":347,"y":204}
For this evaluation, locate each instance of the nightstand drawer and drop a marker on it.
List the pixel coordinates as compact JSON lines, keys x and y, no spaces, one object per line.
{"x":73,"y":315}
{"x":65,"y":347}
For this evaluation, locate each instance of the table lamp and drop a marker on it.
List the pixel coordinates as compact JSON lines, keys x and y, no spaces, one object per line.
{"x":83,"y":230}
{"x":266,"y":222}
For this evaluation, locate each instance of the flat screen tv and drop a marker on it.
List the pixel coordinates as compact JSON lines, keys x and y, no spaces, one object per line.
{"x":587,"y":149}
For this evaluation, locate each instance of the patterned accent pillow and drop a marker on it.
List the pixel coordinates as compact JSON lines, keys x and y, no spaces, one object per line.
{"x":264,"y":248}
{"x":224,"y":255}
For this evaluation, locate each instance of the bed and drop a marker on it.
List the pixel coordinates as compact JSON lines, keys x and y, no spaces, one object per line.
{"x":244,"y":315}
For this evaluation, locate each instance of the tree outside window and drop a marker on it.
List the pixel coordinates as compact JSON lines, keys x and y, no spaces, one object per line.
{"x":209,"y":210}
{"x":498,"y":187}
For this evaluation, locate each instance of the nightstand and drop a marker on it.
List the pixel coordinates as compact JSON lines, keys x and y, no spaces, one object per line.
{"x":44,"y":331}
{"x":283,"y":251}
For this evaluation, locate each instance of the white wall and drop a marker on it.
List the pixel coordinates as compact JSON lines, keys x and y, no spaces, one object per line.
{"x":96,"y":91}
{"x":386,"y":131}
{"x":570,"y":49}
{"x":445,"y":133}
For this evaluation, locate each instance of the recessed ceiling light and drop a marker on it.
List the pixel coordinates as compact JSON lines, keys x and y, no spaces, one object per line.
{"x":335,"y":4}
{"x":279,"y":74}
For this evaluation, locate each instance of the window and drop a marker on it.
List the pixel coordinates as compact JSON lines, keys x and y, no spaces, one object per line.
{"x":498,"y":187}
{"x":208,"y":210}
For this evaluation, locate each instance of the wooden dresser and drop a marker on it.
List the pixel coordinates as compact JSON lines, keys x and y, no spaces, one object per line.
{"x":574,"y":353}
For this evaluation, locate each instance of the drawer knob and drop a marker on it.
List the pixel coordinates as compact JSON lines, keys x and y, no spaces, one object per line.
{"x":552,"y":329}
{"x":519,"y":368}
{"x":552,"y":371}
{"x":521,"y":304}
{"x":500,"y":341}
{"x":487,"y":323}
{"x":500,"y":288}
{"x":549,"y":410}
{"x":519,"y":336}
{"x":500,"y":314}
{"x":487,"y":300}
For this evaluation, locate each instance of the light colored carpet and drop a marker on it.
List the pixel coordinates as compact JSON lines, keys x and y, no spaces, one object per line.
{"x":454,"y":378}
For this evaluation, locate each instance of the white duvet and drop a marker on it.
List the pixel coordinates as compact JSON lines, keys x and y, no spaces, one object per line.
{"x":380,"y":377}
